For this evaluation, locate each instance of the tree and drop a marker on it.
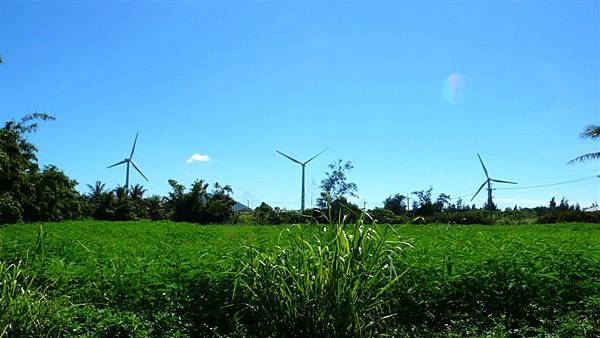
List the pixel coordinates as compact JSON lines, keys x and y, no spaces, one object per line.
{"x":396,"y":204}
{"x":125,"y":208}
{"x":442,"y":202}
{"x":18,"y":160}
{"x":265,"y":214}
{"x":105,"y":206}
{"x":564,"y":204}
{"x":592,"y":132}
{"x":200,"y":206}
{"x":188,"y":206}
{"x":219,"y":207}
{"x":492,"y":207}
{"x":336,"y":184}
{"x":55,"y":196}
{"x":459,"y":204}
{"x":25,"y":192}
{"x":137,"y":192}
{"x":96,"y":191}
{"x":423,"y":205}
{"x":553,"y":203}
{"x":155,"y":207}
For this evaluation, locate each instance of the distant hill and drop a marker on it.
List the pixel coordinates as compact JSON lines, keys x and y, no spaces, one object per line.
{"x":237,"y":207}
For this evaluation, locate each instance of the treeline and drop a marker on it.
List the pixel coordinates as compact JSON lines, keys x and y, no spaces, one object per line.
{"x":423,"y":209}
{"x":28,"y":193}
{"x":197,"y":204}
{"x":31,"y":194}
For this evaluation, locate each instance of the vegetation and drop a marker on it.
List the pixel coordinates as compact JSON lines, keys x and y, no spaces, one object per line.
{"x":26,"y":192}
{"x":167,"y":279}
{"x":335,"y":185}
{"x":591,"y":131}
{"x":30,"y":194}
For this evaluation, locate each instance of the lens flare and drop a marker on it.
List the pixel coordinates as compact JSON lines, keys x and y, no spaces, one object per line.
{"x":454,"y":88}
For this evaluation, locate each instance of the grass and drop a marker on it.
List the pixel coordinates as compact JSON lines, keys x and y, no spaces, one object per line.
{"x":180,"y":279}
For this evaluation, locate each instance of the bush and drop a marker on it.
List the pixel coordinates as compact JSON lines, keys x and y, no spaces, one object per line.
{"x":265,"y":214}
{"x":559,"y":216}
{"x":386,"y":216}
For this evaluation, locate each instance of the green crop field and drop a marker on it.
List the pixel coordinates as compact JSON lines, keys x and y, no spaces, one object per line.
{"x":180,"y":279}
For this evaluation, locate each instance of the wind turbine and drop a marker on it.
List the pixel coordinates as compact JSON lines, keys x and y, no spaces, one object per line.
{"x":489,"y":181}
{"x":129,"y":161}
{"x":303,"y":164}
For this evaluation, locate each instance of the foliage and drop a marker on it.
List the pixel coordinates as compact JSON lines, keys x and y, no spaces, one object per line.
{"x":200,"y":206}
{"x":386,"y":216}
{"x":561,"y":216}
{"x":10,"y":209}
{"x":335,"y":287}
{"x":219,"y":205}
{"x":24,"y":308}
{"x":264,"y":214}
{"x":461,"y":217}
{"x":25,"y":192}
{"x":56,"y":197}
{"x":423,"y":205}
{"x":335,"y":185}
{"x":155,"y":207}
{"x":90,"y":278}
{"x":396,"y":204}
{"x":591,"y":131}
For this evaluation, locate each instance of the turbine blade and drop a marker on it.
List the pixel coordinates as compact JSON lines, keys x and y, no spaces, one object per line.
{"x":292,"y":159}
{"x":312,"y":158}
{"x":483,"y":185}
{"x":500,"y":181}
{"x":133,"y":148}
{"x":484,"y":169}
{"x":116,"y":164}
{"x":139,"y":171}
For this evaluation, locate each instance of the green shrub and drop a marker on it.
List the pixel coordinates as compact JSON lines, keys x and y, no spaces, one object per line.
{"x":560,"y":216}
{"x":386,"y":216}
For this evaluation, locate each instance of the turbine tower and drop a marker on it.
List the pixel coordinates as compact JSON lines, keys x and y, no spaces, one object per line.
{"x":129,"y":161}
{"x":303,"y":164}
{"x":488,"y":181}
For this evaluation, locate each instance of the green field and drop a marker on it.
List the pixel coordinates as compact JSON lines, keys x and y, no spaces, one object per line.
{"x":179,"y":279}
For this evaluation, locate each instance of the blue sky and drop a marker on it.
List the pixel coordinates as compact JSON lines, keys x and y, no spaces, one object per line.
{"x":238,"y":80}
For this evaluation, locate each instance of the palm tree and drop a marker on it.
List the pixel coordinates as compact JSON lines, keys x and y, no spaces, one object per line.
{"x":120,"y":193}
{"x":96,"y":191}
{"x":137,"y":192}
{"x":591,"y":131}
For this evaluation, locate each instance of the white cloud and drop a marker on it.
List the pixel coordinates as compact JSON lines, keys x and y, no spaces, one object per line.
{"x":197,"y":158}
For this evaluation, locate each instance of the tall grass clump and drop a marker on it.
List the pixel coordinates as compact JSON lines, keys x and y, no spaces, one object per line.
{"x":331,"y":284}
{"x":24,"y":308}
